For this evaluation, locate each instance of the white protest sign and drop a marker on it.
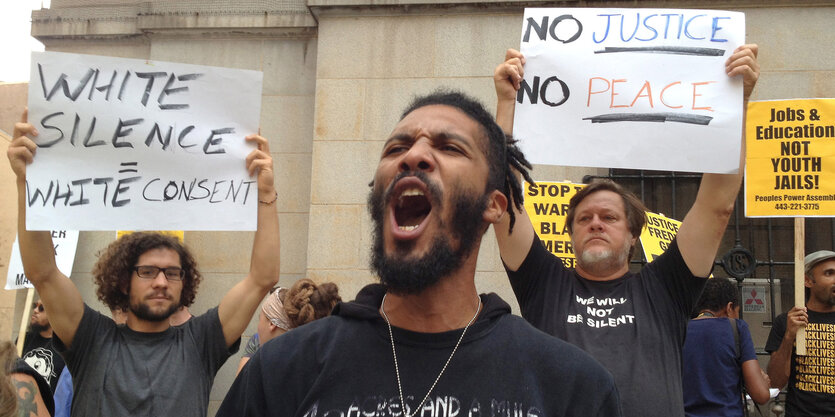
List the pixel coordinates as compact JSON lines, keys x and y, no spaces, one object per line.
{"x":140,"y":145}
{"x":65,"y":243}
{"x":631,"y":88}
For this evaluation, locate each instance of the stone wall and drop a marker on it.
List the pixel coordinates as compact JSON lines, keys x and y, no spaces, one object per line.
{"x":336,"y":77}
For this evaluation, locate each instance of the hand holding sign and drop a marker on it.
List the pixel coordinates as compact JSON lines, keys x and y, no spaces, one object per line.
{"x":21,"y":151}
{"x":509,"y":74}
{"x":640,"y":88}
{"x":744,"y":62}
{"x":259,"y":162}
{"x":122,"y":141}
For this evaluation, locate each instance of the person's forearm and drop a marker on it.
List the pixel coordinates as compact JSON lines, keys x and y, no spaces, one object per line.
{"x":265,"y":263}
{"x":504,"y":114}
{"x":755,"y":381}
{"x":779,"y":366}
{"x":721,"y":190}
{"x":36,"y":251}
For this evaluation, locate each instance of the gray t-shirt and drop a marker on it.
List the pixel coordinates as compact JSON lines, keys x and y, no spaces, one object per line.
{"x":119,"y":372}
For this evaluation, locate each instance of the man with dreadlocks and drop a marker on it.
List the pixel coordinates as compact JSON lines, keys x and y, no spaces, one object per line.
{"x":423,"y":341}
{"x":146,"y":367}
{"x":633,"y":323}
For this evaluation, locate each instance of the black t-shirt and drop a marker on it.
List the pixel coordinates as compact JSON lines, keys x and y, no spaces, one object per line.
{"x":811,"y":388}
{"x":342,"y":366}
{"x":39,"y":353}
{"x":634,"y":325}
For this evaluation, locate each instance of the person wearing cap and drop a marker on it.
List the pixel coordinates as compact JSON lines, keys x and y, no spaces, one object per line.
{"x":811,"y":385}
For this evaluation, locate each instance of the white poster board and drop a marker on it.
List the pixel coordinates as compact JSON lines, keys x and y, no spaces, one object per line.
{"x":65,"y":243}
{"x":630,"y":88}
{"x":140,"y":145}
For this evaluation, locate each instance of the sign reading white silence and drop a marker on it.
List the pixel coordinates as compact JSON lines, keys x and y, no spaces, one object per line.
{"x":65,"y":243}
{"x":140,"y":145}
{"x":631,"y":88}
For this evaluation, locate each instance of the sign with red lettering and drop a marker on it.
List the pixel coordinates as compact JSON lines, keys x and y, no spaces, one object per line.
{"x":630,"y":88}
{"x":140,"y":145}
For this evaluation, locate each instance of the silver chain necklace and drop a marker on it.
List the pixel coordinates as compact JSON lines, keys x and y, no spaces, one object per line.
{"x":397,"y":368}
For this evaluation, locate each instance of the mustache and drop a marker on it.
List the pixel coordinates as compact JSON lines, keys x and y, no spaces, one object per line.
{"x":158,"y":294}
{"x":432,"y":187}
{"x":596,"y":236}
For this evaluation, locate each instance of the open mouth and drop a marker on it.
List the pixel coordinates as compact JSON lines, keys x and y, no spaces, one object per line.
{"x":410,"y":204}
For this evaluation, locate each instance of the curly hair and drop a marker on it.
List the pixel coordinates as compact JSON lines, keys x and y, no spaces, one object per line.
{"x":114,"y":268}
{"x":306,"y":301}
{"x":717,"y":294}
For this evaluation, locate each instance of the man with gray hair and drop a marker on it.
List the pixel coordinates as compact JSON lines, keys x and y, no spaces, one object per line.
{"x":811,"y":388}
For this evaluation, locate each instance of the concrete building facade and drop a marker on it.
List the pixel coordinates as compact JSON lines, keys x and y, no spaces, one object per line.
{"x":337,"y":73}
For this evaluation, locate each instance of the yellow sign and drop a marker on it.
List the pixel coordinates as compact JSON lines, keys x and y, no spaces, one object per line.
{"x":547,"y":205}
{"x":790,"y":163}
{"x":657,"y":235}
{"x":179,"y":234}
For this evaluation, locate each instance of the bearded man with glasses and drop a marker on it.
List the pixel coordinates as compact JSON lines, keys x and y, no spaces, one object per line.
{"x":146,"y":367}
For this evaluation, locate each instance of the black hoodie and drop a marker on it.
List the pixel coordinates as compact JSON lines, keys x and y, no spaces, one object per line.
{"x":342,"y":366}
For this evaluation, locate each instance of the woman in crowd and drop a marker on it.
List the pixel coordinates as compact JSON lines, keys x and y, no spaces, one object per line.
{"x":719,"y":356}
{"x":285,"y":309}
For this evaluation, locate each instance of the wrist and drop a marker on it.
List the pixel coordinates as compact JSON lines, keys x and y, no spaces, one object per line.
{"x":267,"y":198}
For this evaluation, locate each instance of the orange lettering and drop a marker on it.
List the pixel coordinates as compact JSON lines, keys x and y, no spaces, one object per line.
{"x":591,"y":80}
{"x":708,"y":108}
{"x":661,"y":97}
{"x":648,"y":94}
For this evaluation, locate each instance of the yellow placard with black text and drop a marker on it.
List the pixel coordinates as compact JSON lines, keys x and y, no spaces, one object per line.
{"x":547,"y":205}
{"x":790,"y":161}
{"x":657,"y":235}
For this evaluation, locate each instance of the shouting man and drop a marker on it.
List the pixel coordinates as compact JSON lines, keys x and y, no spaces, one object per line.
{"x":424,"y":341}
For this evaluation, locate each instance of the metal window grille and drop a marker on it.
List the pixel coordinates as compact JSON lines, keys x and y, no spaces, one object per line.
{"x":751,"y":247}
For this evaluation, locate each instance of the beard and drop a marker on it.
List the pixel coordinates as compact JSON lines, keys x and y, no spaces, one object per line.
{"x":825,"y":297}
{"x":37,"y":327}
{"x":143,"y":311}
{"x":403,"y":274}
{"x":599,"y":262}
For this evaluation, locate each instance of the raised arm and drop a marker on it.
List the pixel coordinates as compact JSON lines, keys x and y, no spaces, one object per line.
{"x":507,"y":77}
{"x":239,"y":304}
{"x":779,"y":366}
{"x":60,"y":297}
{"x":704,"y":225}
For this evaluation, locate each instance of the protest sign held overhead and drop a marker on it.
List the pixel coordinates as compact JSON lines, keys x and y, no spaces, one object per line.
{"x":64,"y":244}
{"x":547,"y":204}
{"x":790,"y":165}
{"x":630,"y":88}
{"x":144,"y":145}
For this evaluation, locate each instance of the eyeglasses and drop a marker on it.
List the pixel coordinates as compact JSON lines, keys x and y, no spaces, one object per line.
{"x":37,"y":307}
{"x":172,"y":273}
